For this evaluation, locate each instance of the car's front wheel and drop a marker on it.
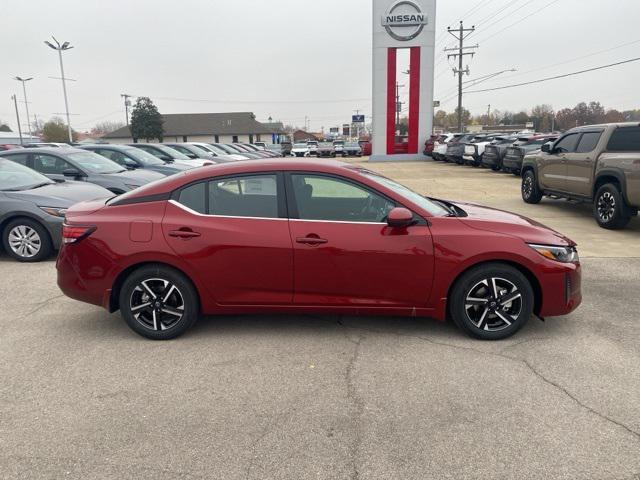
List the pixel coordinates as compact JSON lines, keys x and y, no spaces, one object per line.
{"x":27,"y":240}
{"x":158,"y":302}
{"x":530,"y":191}
{"x":491,"y":301}
{"x":609,"y":208}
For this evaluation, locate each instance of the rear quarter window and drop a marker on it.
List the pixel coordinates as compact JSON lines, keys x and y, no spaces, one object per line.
{"x":625,"y":139}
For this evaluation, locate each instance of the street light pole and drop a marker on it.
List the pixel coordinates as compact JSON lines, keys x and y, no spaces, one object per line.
{"x":60,"y":48}
{"x":26,"y":102}
{"x":15,"y":102}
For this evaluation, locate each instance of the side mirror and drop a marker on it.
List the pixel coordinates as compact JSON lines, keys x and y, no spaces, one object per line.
{"x":546,"y":148}
{"x":71,"y":173}
{"x":399,"y":217}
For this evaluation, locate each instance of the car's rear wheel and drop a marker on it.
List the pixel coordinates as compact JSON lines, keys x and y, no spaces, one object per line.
{"x":491,"y":301}
{"x":158,"y":302}
{"x":27,"y":240}
{"x":530,"y":191}
{"x":495,"y":167}
{"x":609,"y":208}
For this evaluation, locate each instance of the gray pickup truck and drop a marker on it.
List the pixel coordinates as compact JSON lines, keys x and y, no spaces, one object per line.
{"x":596,"y":163}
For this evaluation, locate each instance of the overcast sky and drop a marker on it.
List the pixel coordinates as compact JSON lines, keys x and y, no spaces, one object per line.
{"x":294,"y":58}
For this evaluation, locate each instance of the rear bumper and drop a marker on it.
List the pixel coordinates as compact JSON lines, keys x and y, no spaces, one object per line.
{"x":512,"y":162}
{"x":490,"y":159}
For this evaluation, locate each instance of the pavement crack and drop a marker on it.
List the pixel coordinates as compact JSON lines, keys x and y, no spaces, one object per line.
{"x":357,"y":407}
{"x":524,"y":362}
{"x":40,"y":305}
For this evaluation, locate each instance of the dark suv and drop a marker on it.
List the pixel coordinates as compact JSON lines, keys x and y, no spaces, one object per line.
{"x":512,"y":160}
{"x":494,"y":152}
{"x":455,"y":148}
{"x":596,"y":163}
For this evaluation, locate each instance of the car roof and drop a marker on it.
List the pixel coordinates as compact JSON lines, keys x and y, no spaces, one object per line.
{"x":232,"y":168}
{"x":52,"y":150}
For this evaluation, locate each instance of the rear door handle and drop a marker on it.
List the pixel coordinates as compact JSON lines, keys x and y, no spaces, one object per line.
{"x":184,"y":234}
{"x":311,"y":240}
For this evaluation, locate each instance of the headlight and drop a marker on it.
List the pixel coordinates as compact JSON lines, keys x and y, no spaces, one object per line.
{"x":56,"y":212}
{"x":559,"y":254}
{"x":131,"y":187}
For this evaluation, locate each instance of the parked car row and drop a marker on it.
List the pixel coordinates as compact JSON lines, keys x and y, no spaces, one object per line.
{"x":599,"y":164}
{"x":330,"y":149}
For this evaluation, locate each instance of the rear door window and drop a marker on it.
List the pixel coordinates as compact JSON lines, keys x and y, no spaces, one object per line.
{"x":246,"y":196}
{"x":49,"y":164}
{"x":588,"y":142}
{"x":625,"y":139}
{"x":20,"y":158}
{"x":194,"y":197}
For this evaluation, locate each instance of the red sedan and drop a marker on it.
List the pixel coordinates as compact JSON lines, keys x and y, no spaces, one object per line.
{"x":308,"y":236}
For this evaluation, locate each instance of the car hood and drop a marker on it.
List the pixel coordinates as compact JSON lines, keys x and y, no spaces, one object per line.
{"x":134,"y":177}
{"x":61,"y":195}
{"x":500,"y":221}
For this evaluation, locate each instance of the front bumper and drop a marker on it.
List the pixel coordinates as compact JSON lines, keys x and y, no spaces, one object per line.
{"x":561,"y":290}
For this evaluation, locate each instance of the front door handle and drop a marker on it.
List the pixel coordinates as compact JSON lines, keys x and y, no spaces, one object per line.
{"x":311,"y":240}
{"x":184,"y":234}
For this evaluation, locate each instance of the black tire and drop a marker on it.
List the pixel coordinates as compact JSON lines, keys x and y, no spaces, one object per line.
{"x":27,"y":240}
{"x":530,"y":191}
{"x":516,"y":172}
{"x":495,"y":167}
{"x":159,"y":321}
{"x":610,"y":209}
{"x":491,"y":320}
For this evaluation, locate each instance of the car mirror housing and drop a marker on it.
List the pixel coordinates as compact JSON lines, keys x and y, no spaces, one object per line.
{"x":546,"y":148}
{"x":72,"y":173}
{"x":399,"y":217}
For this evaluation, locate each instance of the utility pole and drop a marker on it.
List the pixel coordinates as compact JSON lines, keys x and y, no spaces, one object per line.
{"x":61,"y":48}
{"x":26,"y":102}
{"x":460,"y":34}
{"x":15,"y":102}
{"x":398,"y":104}
{"x":127,"y":103}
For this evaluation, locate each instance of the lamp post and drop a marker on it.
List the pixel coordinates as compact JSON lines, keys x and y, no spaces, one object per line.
{"x":60,"y":48}
{"x":26,"y":103}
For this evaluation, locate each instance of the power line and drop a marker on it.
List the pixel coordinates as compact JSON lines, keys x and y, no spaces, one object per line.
{"x":602,"y":67}
{"x":256,"y":102}
{"x":521,"y":20}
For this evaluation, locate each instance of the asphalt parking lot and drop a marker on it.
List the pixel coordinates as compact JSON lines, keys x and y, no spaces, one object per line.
{"x":332,"y":397}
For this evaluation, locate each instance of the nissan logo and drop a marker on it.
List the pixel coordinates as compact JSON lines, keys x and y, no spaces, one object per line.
{"x":404,"y":21}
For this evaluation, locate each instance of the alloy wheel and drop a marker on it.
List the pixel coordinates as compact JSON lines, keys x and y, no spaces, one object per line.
{"x":527,"y":186}
{"x":493,"y":304}
{"x":24,"y":241}
{"x":157,"y":304}
{"x":606,"y":207}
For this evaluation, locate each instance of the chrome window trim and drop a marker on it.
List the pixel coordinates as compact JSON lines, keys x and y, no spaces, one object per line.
{"x":336,"y":221}
{"x":193,"y":212}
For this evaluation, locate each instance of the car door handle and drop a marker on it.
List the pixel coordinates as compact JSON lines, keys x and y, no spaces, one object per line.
{"x":311,"y":240}
{"x":184,"y":234}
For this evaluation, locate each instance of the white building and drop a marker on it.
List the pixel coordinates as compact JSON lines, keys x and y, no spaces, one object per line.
{"x":208,"y":128}
{"x":13,"y":138}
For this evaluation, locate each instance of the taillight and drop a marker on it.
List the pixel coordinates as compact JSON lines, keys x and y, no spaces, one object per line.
{"x":75,"y":233}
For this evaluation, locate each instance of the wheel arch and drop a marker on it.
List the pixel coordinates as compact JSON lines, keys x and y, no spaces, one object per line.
{"x":114,"y":296}
{"x":529,"y":275}
{"x":4,"y":221}
{"x":610,"y":175}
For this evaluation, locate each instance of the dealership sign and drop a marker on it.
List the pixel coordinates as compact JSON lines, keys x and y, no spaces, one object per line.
{"x":357,"y":118}
{"x":404,"y":21}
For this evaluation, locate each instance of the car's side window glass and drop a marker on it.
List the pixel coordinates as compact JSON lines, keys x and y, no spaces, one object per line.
{"x":194,"y":197}
{"x":48,"y":164}
{"x":625,"y":139}
{"x":588,"y":142}
{"x":20,"y":158}
{"x":246,"y":196}
{"x":567,"y":144}
{"x":332,"y":199}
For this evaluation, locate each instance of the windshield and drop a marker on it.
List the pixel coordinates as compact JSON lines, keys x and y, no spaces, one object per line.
{"x":94,"y":163}
{"x":172,"y":153}
{"x":352,"y":145}
{"x":227,"y":148}
{"x":300,"y":145}
{"x":14,"y":177}
{"x":215,"y":149}
{"x":142,"y":156}
{"x":430,"y":206}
